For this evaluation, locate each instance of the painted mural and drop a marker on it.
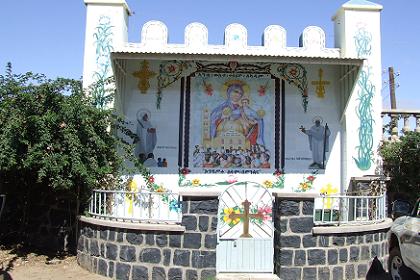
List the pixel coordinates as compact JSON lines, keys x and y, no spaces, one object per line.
{"x":364,"y":158}
{"x":103,"y":47}
{"x":232,"y":121}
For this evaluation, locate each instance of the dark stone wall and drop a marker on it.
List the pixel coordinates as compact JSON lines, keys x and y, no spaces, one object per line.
{"x":134,"y":254}
{"x":299,"y":254}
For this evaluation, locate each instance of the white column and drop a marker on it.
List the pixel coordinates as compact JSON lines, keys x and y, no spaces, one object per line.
{"x":358,"y":35}
{"x":106,"y":30}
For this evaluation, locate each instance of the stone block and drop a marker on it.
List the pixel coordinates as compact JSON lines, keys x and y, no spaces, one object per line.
{"x":192,"y":240}
{"x":214,"y":223}
{"x":120,"y":236}
{"x":94,"y":248}
{"x":283,"y":225}
{"x":127,"y":253}
{"x":360,"y":239}
{"x":102,"y":250}
{"x":290,"y":273}
{"x":181,"y":258}
{"x":162,"y":240}
{"x":175,"y":240}
{"x":332,"y":256}
{"x":111,"y":269}
{"x":300,"y":258}
{"x":309,"y":241}
{"x":203,"y":223}
{"x":185,"y":206}
{"x":286,"y":257}
{"x":289,"y":208}
{"x":102,"y":267}
{"x":203,"y":259}
{"x":290,"y":241}
{"x":111,"y":235}
{"x":111,"y":251}
{"x":189,"y":222}
{"x":158,"y":273}
{"x":150,"y":255}
{"x":374,"y":251}
{"x":343,"y":255}
{"x":210,"y":241}
{"x":191,"y":275}
{"x":364,"y":255}
{"x":337,"y":273}
{"x":80,"y":243}
{"x":103,"y":234}
{"x":350,"y":271}
{"x":324,"y":241}
{"x":350,"y":240}
{"x":140,"y":273}
{"x":309,"y":273}
{"x":166,"y":257}
{"x":122,"y":271}
{"x":150,"y":239}
{"x":323,"y":273}
{"x":369,"y":238}
{"x":362,"y":270}
{"x":175,"y":274}
{"x":316,"y":256}
{"x":208,"y":274}
{"x":338,"y":241}
{"x":354,"y":253}
{"x":301,"y":225}
{"x":85,"y":261}
{"x":204,"y":206}
{"x":307,"y":207}
{"x":134,"y":238}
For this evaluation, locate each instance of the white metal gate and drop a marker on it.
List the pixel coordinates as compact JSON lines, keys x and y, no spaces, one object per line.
{"x":245,"y":229}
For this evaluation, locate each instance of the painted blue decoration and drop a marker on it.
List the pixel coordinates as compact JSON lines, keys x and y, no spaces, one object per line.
{"x":103,"y":48}
{"x":367,"y":90}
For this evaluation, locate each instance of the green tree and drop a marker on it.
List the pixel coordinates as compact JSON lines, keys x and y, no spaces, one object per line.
{"x":55,"y":142}
{"x":402,"y":164}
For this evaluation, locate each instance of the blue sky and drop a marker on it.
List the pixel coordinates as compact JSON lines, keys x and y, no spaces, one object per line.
{"x":47,"y":36}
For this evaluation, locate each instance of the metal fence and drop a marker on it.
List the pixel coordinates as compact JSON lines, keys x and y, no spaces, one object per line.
{"x":349,"y":209}
{"x":143,"y":206}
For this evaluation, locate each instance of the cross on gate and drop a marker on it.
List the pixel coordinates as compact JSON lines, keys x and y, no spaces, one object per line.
{"x":320,"y":84}
{"x":246,"y":216}
{"x":144,"y":74}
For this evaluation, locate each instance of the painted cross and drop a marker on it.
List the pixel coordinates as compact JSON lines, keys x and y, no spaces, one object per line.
{"x":245,"y":217}
{"x":144,"y":75}
{"x":320,"y":84}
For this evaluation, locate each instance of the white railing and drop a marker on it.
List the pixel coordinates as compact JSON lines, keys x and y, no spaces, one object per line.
{"x":349,"y":209}
{"x":143,"y":206}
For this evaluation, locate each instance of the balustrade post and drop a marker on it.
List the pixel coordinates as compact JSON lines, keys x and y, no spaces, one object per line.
{"x":394,"y":127}
{"x":417,"y":122}
{"x":406,"y":127}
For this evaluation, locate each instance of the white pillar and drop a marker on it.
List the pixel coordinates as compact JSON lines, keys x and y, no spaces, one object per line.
{"x":106,"y":30}
{"x":358,"y":35}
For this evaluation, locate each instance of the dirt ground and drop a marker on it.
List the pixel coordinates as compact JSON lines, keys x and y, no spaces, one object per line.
{"x":17,"y":264}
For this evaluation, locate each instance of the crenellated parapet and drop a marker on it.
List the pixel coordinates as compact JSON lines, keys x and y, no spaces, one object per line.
{"x":154,"y":39}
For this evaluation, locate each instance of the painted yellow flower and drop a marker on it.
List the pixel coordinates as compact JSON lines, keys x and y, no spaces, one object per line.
{"x":195,"y":182}
{"x":227,"y":219}
{"x":268,"y":184}
{"x":304,"y":186}
{"x":160,"y":189}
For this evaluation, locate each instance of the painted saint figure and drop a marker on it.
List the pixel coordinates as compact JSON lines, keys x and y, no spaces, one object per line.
{"x":318,"y":136}
{"x":146,"y":134}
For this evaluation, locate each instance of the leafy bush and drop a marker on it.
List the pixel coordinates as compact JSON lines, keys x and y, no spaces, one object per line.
{"x":402,"y":164}
{"x":54,"y":141}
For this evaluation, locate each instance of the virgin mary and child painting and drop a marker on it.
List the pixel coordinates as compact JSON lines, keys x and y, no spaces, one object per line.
{"x":232,"y":130}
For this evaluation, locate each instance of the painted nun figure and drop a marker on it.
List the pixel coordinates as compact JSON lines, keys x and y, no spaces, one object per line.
{"x":318,"y":136}
{"x":146,"y":133}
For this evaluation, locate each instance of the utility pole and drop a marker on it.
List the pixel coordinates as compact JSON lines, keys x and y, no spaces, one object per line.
{"x":392,"y":87}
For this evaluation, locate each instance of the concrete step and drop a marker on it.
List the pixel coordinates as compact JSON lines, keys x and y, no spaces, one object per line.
{"x":246,"y":276}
